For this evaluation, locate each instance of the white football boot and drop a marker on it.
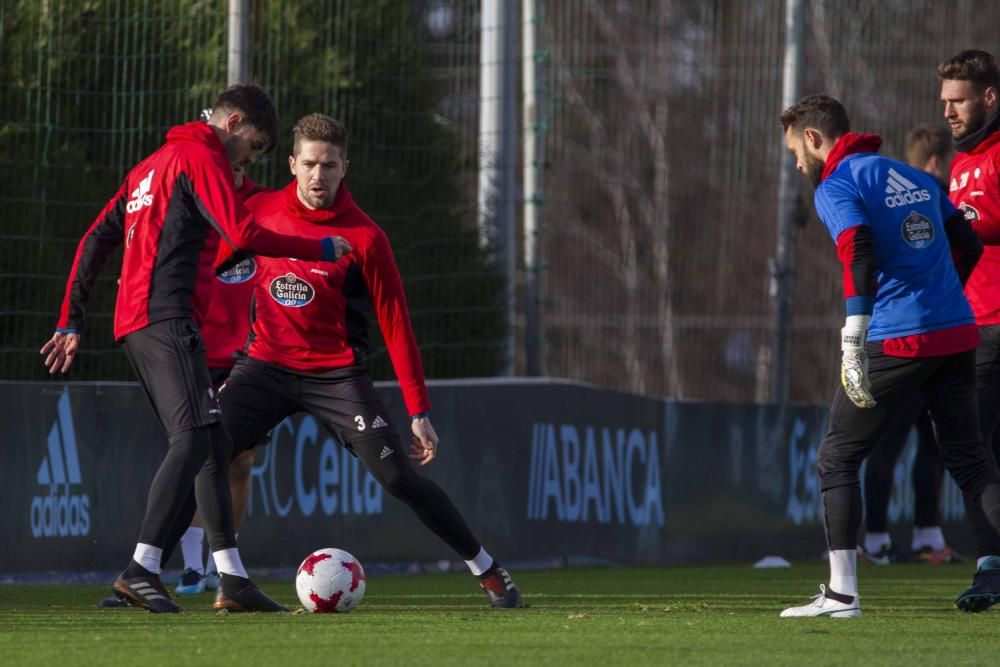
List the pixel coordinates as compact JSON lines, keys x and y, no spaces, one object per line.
{"x":821,"y":605}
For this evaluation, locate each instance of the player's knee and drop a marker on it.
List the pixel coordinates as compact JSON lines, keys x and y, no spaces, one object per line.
{"x":834,"y":468}
{"x":241,"y":466}
{"x":399,"y":483}
{"x":194,"y":443}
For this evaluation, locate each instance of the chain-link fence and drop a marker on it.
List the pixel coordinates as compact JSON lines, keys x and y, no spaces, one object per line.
{"x":89,"y":88}
{"x":661,"y":189}
{"x":662,"y":149}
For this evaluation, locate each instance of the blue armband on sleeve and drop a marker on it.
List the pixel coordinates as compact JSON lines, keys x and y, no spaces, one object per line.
{"x":329,"y":249}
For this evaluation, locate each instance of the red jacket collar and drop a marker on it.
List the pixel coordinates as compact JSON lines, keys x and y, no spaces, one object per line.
{"x":849,"y":144}
{"x":985,"y":144}
{"x":342,"y":203}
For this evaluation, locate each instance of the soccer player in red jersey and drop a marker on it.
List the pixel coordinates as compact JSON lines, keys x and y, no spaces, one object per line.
{"x":309,"y":348}
{"x":970,"y":91}
{"x":170,"y":204}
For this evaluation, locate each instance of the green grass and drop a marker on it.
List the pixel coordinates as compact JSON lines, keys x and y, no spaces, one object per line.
{"x":599,"y":617}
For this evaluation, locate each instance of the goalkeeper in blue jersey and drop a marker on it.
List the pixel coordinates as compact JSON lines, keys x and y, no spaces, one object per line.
{"x":909,"y":333}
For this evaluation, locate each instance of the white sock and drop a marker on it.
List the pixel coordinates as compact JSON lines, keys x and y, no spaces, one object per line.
{"x":930,"y":536}
{"x":191,"y":549}
{"x":875,"y":541}
{"x":228,"y":561}
{"x":482,"y":562}
{"x":844,"y":571}
{"x":148,"y":556}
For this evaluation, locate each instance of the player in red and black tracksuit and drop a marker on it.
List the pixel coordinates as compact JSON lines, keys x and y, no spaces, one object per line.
{"x":970,"y":91}
{"x":168,"y":206}
{"x":309,"y":344}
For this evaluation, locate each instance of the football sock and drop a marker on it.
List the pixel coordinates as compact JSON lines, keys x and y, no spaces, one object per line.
{"x":843,"y":571}
{"x":930,"y":536}
{"x":875,"y":541}
{"x":228,"y":561}
{"x":480,"y":563}
{"x":148,"y":557}
{"x":191,"y":549}
{"x":210,"y":567}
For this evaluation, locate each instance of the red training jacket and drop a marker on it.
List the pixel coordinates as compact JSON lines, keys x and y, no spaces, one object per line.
{"x":312,"y":317}
{"x":975,"y":188}
{"x":164,"y":212}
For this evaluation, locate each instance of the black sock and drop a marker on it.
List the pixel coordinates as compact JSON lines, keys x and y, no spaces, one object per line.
{"x":839,"y":597}
{"x":134,"y":570}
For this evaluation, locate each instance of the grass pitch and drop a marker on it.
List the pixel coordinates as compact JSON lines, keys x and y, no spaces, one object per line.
{"x":689,"y":615}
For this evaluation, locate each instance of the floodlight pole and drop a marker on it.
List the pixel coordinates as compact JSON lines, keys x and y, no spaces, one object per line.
{"x":498,"y":150}
{"x":783,"y":264}
{"x":238,"y":66}
{"x":532,"y":160}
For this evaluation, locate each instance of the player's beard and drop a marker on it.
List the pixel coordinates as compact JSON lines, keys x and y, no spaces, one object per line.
{"x":814,"y":168}
{"x":976,"y":121}
{"x":316,"y":202}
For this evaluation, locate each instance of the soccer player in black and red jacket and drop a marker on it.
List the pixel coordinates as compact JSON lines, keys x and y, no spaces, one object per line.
{"x":170,"y":204}
{"x":308,"y":344}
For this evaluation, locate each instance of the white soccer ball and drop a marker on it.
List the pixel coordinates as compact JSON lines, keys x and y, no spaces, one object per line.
{"x":330,"y":581}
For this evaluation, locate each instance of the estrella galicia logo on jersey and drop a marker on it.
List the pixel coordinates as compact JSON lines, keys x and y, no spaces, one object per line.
{"x":240,"y":273}
{"x":901,"y":191}
{"x":60,"y":513}
{"x":970,"y":212}
{"x":917,"y":230}
{"x":291,"y":290}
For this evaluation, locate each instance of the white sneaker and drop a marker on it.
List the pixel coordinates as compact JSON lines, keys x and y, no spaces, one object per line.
{"x":824,"y":606}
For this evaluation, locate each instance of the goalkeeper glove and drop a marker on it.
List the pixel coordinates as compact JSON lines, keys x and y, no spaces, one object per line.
{"x":854,"y":365}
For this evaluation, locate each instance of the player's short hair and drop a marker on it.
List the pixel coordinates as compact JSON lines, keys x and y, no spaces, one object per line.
{"x":820,"y":112}
{"x":256,"y":106}
{"x":925,"y":141}
{"x":319,"y":127}
{"x":979,"y":67}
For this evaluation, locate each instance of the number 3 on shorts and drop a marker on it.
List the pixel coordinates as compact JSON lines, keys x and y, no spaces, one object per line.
{"x":360,"y":422}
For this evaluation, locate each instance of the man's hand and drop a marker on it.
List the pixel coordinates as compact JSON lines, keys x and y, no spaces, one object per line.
{"x":335,"y":247}
{"x":425,"y":441}
{"x":854,"y":365}
{"x":60,"y":351}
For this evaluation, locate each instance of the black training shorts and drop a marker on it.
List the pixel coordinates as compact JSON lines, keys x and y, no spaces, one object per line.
{"x":169,"y":359}
{"x":257,"y":396}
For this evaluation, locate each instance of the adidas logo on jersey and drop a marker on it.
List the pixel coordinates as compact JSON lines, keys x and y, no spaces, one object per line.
{"x":902,"y":191}
{"x":379,"y":422}
{"x":60,"y":513}
{"x":385,"y":453}
{"x":140,"y":196}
